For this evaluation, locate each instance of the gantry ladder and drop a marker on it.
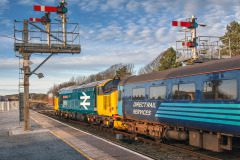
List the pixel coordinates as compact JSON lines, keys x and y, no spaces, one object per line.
{"x":20,"y":86}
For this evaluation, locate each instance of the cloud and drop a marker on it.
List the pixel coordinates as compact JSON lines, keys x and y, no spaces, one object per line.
{"x":6,"y":22}
{"x":114,"y":31}
{"x":4,"y":2}
{"x":32,"y":2}
{"x":133,"y":5}
{"x":60,"y":68}
{"x":6,"y":42}
{"x":26,"y":2}
{"x":4,"y":6}
{"x":89,"y":5}
{"x":237,"y":13}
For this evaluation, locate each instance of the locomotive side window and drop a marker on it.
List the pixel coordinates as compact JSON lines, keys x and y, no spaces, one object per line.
{"x":138,"y":94}
{"x":60,"y":100}
{"x":183,"y":91}
{"x":100,"y":90}
{"x":158,"y":93}
{"x":220,"y":89}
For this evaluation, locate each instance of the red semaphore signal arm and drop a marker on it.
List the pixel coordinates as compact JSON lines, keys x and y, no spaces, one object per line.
{"x":44,"y":8}
{"x":182,"y":24}
{"x":188,"y":44}
{"x":35,"y":19}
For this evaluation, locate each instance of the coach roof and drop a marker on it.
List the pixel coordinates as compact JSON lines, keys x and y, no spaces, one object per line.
{"x":203,"y":68}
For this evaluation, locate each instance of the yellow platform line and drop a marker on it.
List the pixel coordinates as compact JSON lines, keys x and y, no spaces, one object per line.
{"x":71,"y":145}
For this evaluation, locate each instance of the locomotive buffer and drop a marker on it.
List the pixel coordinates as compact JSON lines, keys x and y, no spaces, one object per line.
{"x":36,"y":36}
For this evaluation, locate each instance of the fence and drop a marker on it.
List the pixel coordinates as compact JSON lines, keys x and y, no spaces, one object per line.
{"x":8,"y":105}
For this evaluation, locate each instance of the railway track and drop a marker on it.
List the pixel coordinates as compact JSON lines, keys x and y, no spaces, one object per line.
{"x":137,"y":143}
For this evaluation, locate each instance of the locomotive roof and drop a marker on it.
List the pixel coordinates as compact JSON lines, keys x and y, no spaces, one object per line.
{"x":203,"y":68}
{"x":66,"y":90}
{"x":92,"y":84}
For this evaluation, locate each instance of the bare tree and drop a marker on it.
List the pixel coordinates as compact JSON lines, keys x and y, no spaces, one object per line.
{"x":120,"y":70}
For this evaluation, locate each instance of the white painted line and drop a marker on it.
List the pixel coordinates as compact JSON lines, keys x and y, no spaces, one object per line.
{"x":140,"y":155}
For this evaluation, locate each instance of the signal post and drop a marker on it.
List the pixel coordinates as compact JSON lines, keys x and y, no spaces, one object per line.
{"x":26,"y":47}
{"x":192,"y":26}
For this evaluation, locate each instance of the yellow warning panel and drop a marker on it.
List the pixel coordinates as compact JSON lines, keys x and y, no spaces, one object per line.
{"x":107,"y":103}
{"x":56,"y":107}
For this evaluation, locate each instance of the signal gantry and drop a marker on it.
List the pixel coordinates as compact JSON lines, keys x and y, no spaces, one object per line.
{"x":31,"y":38}
{"x":191,"y":25}
{"x":193,"y":48}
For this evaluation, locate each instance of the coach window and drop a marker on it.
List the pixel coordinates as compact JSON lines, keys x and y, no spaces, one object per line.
{"x":158,"y":93}
{"x":183,"y":91}
{"x":138,"y":94}
{"x":220,"y":90}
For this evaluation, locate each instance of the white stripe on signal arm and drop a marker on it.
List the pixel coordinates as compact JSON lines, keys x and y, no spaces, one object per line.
{"x":179,"y":23}
{"x":42,"y":8}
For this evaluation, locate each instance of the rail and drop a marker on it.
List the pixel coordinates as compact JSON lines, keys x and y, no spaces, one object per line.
{"x":186,"y":150}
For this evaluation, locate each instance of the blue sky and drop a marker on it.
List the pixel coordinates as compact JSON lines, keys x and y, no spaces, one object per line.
{"x":112,"y":31}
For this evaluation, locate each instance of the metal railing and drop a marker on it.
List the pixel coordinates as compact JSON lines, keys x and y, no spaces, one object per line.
{"x":209,"y":47}
{"x":38,"y":37}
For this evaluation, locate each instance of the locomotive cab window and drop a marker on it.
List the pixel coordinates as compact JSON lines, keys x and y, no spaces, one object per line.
{"x":220,"y":90}
{"x":158,"y":92}
{"x":108,"y":87}
{"x":115,"y":83}
{"x":138,"y":94}
{"x":111,"y":86}
{"x":183,"y":91}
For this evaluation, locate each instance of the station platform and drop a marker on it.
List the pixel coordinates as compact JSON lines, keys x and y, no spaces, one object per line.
{"x":87,"y":144}
{"x":38,"y":144}
{"x":51,"y":139}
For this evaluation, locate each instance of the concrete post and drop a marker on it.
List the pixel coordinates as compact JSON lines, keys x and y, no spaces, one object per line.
{"x":48,"y":29}
{"x":26,"y":69}
{"x":64,"y":22}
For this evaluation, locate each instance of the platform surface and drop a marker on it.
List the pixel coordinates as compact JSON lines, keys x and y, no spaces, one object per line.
{"x":90,"y":145}
{"x":39,"y":145}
